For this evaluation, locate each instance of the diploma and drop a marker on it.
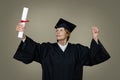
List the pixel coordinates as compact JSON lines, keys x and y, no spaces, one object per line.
{"x":23,"y":20}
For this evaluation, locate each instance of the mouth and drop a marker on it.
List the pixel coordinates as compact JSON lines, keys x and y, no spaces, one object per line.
{"x":57,"y":35}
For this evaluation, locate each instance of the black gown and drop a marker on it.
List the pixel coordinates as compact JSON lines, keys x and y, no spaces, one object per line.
{"x":59,"y":65}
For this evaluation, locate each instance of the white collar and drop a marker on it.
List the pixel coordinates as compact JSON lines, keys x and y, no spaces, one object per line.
{"x":63,"y":47}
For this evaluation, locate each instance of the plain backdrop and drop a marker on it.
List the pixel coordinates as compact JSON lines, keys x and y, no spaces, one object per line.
{"x":43,"y":16}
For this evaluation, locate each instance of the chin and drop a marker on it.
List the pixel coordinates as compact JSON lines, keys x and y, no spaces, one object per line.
{"x":58,"y":38}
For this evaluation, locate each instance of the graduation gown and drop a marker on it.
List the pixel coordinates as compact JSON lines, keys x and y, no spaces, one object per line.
{"x":59,"y":65}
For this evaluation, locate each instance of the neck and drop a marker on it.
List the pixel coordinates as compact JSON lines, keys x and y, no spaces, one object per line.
{"x":62,"y":42}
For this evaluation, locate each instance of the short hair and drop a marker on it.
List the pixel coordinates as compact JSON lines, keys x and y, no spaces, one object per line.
{"x":68,"y":32}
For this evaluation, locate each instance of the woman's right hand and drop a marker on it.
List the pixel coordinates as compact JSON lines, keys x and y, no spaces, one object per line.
{"x":20,"y":28}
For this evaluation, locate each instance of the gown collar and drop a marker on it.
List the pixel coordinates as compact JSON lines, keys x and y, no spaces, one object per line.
{"x":62,"y":47}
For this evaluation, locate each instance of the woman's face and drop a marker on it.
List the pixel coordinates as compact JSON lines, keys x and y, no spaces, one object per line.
{"x":61,"y":34}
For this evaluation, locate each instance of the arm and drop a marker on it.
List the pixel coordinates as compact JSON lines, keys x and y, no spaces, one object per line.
{"x":97,"y":53}
{"x":28,"y":50}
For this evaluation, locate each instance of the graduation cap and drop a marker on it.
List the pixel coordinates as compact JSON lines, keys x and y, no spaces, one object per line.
{"x":65,"y":24}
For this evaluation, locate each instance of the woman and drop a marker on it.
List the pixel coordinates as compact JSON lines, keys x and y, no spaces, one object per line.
{"x":61,"y":60}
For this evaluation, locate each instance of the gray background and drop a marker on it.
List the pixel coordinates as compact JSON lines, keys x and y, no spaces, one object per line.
{"x":43,"y":16}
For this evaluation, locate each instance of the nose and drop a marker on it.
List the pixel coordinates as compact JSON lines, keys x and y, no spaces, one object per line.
{"x":57,"y":31}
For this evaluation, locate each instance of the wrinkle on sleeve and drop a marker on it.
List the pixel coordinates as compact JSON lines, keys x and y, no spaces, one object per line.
{"x":29,"y":51}
{"x":94,"y":55}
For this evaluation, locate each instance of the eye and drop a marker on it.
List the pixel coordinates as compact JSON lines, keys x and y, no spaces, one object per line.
{"x":61,"y":30}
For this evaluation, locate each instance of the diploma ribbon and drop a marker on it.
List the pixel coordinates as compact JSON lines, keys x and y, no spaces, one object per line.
{"x":24,"y":20}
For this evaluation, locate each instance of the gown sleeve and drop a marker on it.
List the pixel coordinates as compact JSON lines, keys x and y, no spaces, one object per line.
{"x":94,"y":55}
{"x":29,"y":51}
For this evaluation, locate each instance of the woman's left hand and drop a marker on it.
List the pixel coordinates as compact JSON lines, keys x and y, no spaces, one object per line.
{"x":95,"y":33}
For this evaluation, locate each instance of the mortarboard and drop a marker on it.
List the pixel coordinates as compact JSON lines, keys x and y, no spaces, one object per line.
{"x":67,"y":25}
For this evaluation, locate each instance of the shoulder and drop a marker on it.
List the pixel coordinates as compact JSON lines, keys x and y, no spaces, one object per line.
{"x":77,"y":45}
{"x":48,"y":44}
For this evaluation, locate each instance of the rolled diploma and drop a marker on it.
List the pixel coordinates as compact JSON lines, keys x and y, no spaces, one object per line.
{"x":24,"y":16}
